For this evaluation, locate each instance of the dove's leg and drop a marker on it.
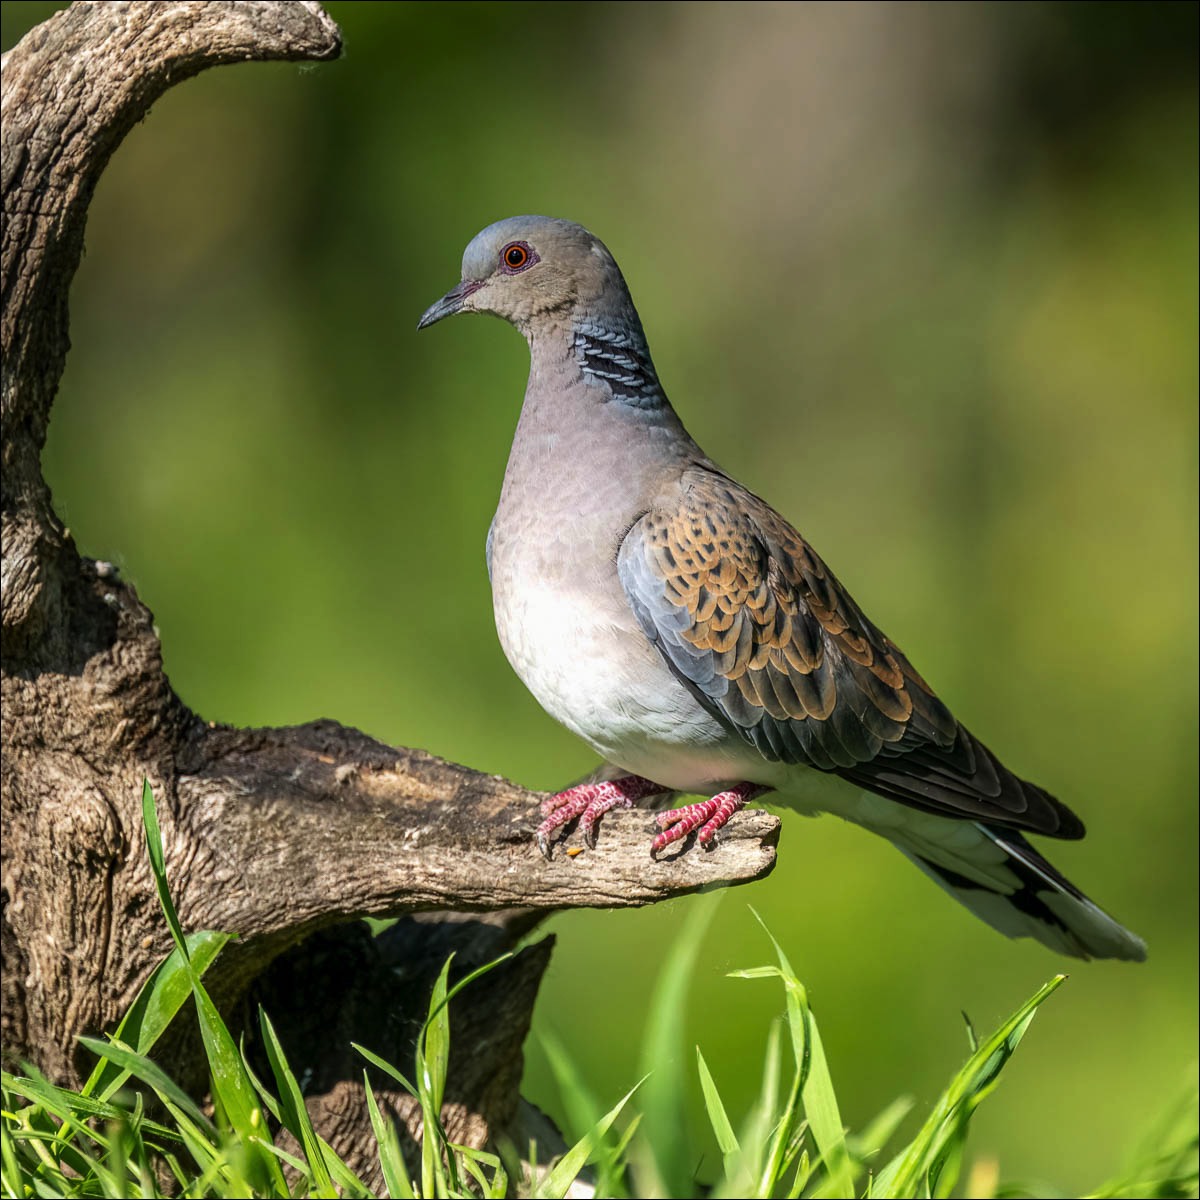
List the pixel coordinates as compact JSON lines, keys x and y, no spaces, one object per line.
{"x":592,"y":801}
{"x":710,"y":815}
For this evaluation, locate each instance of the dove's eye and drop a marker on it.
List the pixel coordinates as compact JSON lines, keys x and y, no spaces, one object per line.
{"x":516,"y":256}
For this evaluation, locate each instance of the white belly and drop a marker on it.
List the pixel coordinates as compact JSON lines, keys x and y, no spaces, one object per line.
{"x":589,"y":665}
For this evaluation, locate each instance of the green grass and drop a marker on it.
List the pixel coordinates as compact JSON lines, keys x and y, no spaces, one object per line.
{"x":100,"y":1141}
{"x":793,"y":1141}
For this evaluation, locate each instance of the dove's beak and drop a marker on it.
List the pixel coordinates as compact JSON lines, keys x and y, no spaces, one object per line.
{"x":452,"y":302}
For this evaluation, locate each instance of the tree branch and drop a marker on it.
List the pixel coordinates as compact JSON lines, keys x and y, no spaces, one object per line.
{"x":411,"y":833}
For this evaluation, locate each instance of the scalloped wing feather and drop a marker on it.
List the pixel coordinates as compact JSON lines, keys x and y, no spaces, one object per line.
{"x":748,"y":616}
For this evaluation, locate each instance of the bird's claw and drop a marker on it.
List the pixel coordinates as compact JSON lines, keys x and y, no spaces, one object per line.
{"x":709,"y":816}
{"x":589,"y":802}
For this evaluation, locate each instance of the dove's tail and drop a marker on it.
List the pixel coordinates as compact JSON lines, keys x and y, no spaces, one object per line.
{"x":1004,"y":881}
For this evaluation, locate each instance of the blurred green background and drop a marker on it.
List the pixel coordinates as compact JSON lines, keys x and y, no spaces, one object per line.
{"x":923,"y":275}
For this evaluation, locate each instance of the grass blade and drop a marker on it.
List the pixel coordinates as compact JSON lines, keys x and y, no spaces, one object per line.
{"x":232,"y":1088}
{"x":160,"y":998}
{"x":391,"y":1158}
{"x":158,"y":865}
{"x":583,"y":1112}
{"x":825,"y":1120}
{"x":294,"y":1113}
{"x":667,"y":1161}
{"x":386,"y":1067}
{"x":433,"y":1057}
{"x":928,"y":1166}
{"x":151,"y":1074}
{"x":817,"y":1094}
{"x":564,"y":1172}
{"x":717,"y":1117}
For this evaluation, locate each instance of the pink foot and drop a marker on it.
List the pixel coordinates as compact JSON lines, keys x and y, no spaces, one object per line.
{"x":592,"y":800}
{"x":710,"y":815}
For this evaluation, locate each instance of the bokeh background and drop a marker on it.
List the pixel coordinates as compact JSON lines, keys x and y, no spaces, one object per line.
{"x":924,"y":275}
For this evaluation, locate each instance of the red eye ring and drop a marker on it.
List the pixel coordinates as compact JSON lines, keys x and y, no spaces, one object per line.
{"x":516,"y":256}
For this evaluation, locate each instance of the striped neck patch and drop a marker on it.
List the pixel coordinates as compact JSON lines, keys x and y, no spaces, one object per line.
{"x":619,"y":359}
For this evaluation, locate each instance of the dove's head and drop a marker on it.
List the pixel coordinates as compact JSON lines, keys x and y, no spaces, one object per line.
{"x":530,"y":270}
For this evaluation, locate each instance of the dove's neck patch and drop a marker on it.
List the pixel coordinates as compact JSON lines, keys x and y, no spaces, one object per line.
{"x":619,"y":360}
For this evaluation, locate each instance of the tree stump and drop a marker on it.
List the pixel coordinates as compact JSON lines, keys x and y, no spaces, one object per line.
{"x":285,"y":837}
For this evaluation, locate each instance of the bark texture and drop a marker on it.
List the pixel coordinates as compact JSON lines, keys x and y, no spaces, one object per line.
{"x":284,"y":836}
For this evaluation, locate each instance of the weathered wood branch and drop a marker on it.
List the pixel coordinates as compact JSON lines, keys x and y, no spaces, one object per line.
{"x":276,"y":835}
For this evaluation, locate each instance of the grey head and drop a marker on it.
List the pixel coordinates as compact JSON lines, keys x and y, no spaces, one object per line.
{"x":539,"y":273}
